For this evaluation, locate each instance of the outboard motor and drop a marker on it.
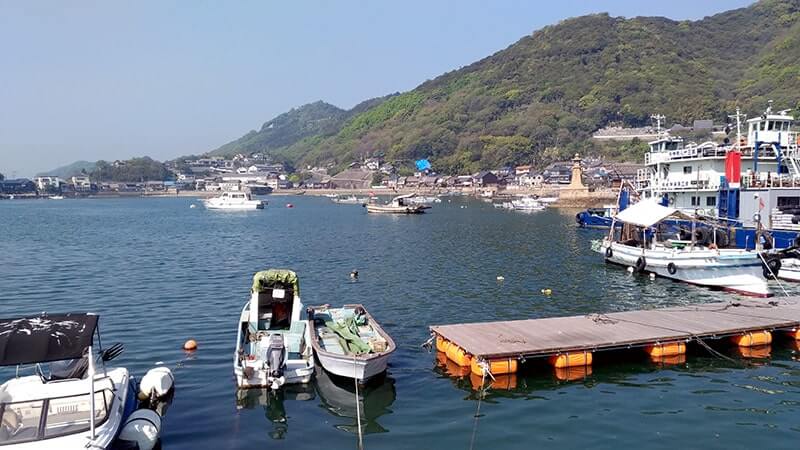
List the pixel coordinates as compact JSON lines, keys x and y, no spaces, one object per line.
{"x":276,"y":361}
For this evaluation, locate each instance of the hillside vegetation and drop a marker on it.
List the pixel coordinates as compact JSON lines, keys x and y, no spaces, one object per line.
{"x":541,"y":98}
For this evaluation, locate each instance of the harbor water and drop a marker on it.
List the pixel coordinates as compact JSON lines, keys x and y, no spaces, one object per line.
{"x":159,"y":272}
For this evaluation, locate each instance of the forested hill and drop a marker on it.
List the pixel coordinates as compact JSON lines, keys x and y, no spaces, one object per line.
{"x":542,"y":97}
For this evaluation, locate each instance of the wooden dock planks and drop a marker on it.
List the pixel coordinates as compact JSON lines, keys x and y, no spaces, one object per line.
{"x":548,"y":336}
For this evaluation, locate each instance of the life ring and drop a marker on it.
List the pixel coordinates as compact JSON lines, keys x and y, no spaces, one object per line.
{"x":771,"y":268}
{"x":609,"y":252}
{"x":672,"y":268}
{"x":641,"y":263}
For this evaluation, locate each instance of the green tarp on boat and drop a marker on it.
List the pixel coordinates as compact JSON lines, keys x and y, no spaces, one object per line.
{"x":267,"y":279}
{"x":347,"y":331}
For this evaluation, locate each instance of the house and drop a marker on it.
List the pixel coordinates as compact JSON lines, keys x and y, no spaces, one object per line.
{"x":484,"y":179}
{"x":17,"y":186}
{"x":529,"y":179}
{"x":47,"y":183}
{"x":523,"y":170}
{"x":372,"y":163}
{"x":317,"y":181}
{"x":81,"y":183}
{"x":353,"y":178}
{"x":558,"y":173}
{"x":464,"y":181}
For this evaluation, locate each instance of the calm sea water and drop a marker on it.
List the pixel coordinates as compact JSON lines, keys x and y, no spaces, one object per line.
{"x":159,"y":273}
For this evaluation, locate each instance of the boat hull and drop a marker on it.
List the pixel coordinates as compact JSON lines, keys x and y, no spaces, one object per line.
{"x":296,"y":372}
{"x":347,"y":367}
{"x":385,"y":209}
{"x":733,"y":270}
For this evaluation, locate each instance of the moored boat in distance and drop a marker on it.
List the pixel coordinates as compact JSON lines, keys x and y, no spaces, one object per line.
{"x":527,"y":204}
{"x":349,"y":200}
{"x":272,"y":343}
{"x":398,"y":205}
{"x":637,"y":244}
{"x":348,"y":342}
{"x":238,"y":201}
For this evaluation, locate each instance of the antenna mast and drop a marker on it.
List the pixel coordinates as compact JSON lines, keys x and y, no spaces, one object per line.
{"x":658,"y":118}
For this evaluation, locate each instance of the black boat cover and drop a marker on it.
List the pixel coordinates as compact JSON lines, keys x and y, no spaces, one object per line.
{"x":51,"y":337}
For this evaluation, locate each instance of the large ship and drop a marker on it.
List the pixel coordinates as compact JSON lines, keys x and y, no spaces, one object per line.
{"x":750,"y":183}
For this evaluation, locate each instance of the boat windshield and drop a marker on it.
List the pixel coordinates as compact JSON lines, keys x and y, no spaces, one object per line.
{"x":34,"y":420}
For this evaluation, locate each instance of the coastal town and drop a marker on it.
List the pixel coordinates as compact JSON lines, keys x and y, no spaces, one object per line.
{"x":207,"y":176}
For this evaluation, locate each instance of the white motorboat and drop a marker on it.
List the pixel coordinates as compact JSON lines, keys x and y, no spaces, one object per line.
{"x":638,"y":245}
{"x":56,"y":197}
{"x":398,"y":205}
{"x":548,"y":200}
{"x":349,"y":200}
{"x":71,"y":402}
{"x":424,"y":200}
{"x":348,"y":342}
{"x":272,"y":343}
{"x":234,"y":201}
{"x":527,"y":204}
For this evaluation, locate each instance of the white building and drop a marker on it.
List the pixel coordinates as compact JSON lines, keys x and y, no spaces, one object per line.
{"x":47,"y":182}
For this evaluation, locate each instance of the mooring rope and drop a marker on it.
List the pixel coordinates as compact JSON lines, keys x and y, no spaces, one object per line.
{"x":478,"y":410}
{"x":358,"y":406}
{"x":774,"y":275}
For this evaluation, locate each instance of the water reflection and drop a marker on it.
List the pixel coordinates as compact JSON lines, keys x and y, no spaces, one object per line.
{"x":337,"y":396}
{"x":273,"y":404}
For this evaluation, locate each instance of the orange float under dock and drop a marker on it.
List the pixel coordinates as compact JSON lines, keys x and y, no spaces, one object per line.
{"x":662,"y":332}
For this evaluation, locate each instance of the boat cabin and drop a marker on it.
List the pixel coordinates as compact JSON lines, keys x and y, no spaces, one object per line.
{"x":772,"y":129}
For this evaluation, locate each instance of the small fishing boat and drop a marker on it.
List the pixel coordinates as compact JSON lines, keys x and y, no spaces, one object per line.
{"x":56,"y":197}
{"x":348,"y":342}
{"x":639,"y":245}
{"x":73,"y":401}
{"x":398,"y":205}
{"x":272,"y":338}
{"x":238,"y":201}
{"x":527,"y":204}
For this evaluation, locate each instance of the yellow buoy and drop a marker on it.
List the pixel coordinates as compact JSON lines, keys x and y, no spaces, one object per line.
{"x":458,"y":355}
{"x":442,"y":344}
{"x":571,"y":360}
{"x":547,"y":291}
{"x":190,"y":345}
{"x":753,"y":339}
{"x":495,"y":366}
{"x":666,"y":349}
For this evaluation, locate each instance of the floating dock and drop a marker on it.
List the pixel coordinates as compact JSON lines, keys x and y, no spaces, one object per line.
{"x":498,"y":347}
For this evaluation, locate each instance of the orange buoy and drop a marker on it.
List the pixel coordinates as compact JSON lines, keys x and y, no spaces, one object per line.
{"x":753,"y":339}
{"x":190,"y":345}
{"x":458,"y":355}
{"x":666,"y":349}
{"x":495,"y":366}
{"x":571,"y":360}
{"x":755,"y":352}
{"x":669,"y":360}
{"x":442,"y":344}
{"x":573,"y":373}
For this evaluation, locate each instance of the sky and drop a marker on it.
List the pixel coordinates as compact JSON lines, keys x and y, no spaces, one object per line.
{"x":89,"y":80}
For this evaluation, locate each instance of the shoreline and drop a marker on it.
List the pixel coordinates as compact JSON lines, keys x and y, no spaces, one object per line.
{"x":584,"y":199}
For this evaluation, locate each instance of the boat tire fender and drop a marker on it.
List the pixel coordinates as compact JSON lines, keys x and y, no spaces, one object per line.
{"x":771,"y":268}
{"x":609,"y":252}
{"x":672,"y":268}
{"x":641,"y":264}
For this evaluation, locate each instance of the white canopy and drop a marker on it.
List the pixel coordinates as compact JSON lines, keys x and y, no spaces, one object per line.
{"x":647,"y":213}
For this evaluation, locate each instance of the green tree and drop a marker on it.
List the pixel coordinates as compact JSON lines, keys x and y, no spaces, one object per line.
{"x":377,"y":178}
{"x":2,"y":177}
